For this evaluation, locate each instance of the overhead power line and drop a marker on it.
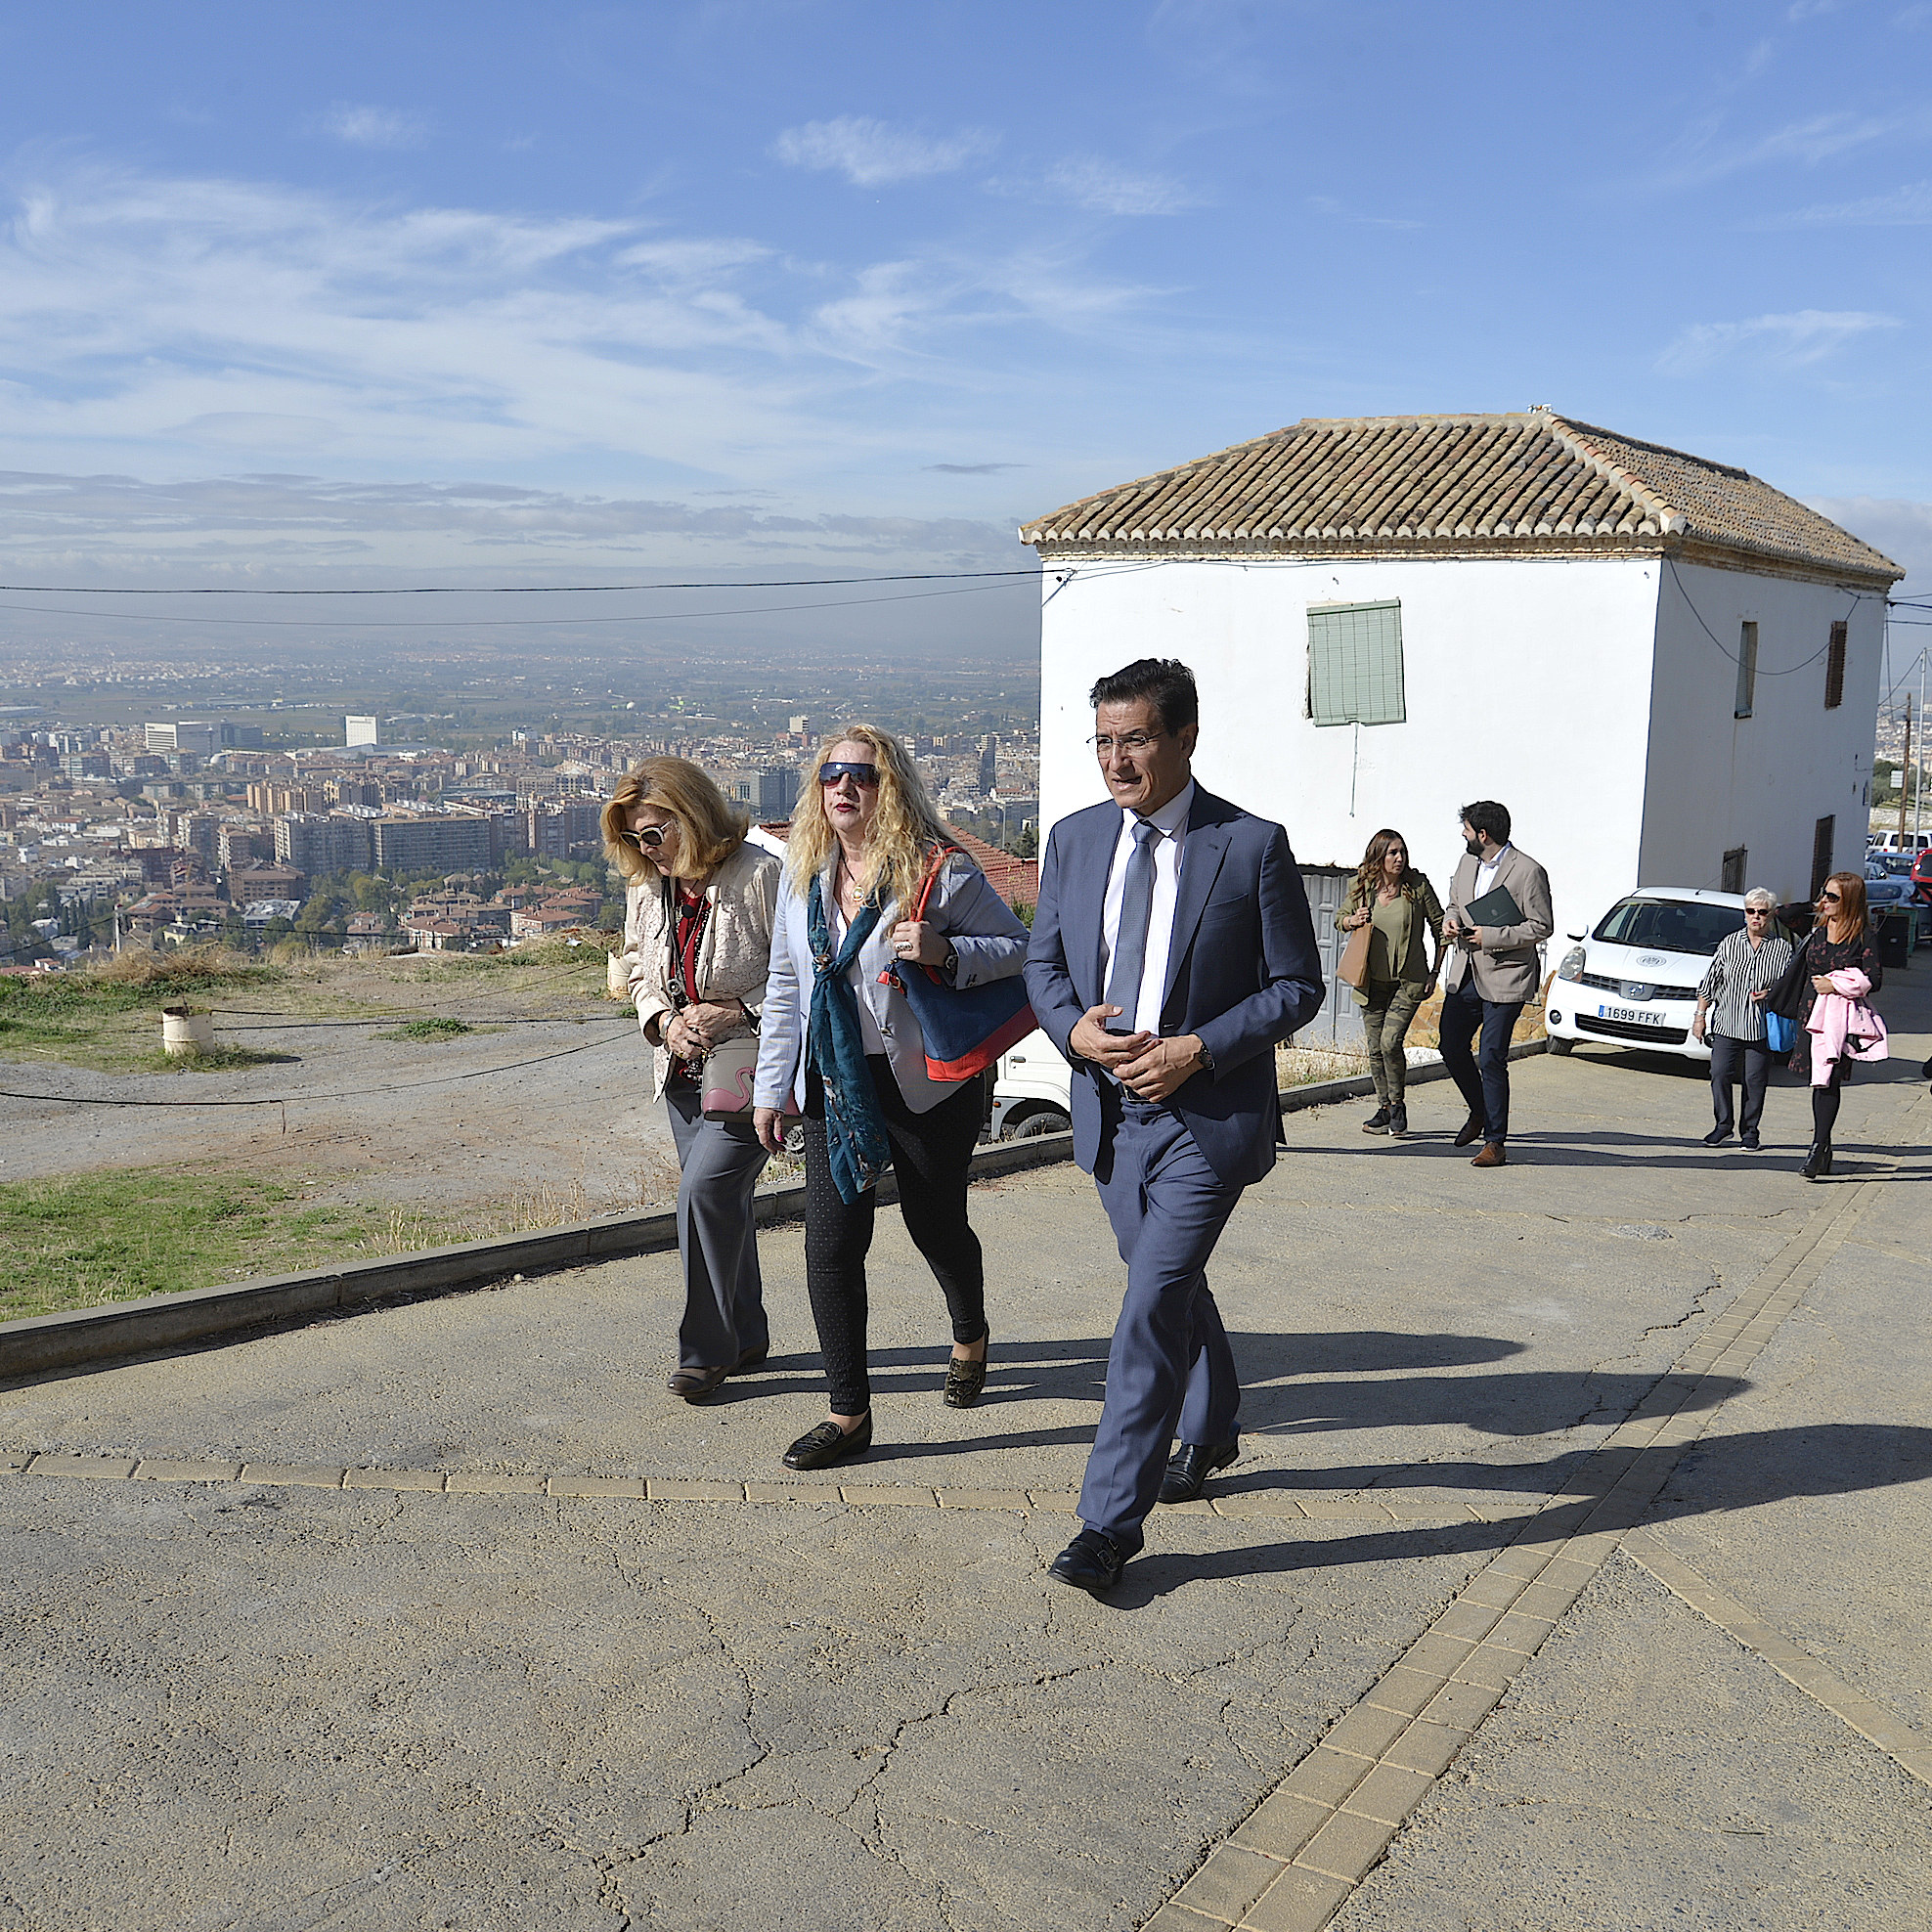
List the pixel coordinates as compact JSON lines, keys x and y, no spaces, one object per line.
{"x":496,"y":590}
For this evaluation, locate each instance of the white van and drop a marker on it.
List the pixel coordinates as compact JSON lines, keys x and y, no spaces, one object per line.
{"x":1898,"y":841}
{"x":1032,"y":1092}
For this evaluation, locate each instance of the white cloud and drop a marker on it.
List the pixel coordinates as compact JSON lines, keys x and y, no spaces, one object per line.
{"x":1910,"y":206}
{"x":870,"y":153}
{"x":375,"y":127}
{"x":1700,"y":156}
{"x":1106,"y":189}
{"x":218,"y":528}
{"x":182,"y":328}
{"x":1785,"y":340}
{"x":1327,"y":205}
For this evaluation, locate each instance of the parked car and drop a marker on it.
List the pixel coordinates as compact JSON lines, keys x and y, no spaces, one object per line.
{"x":1900,"y":918}
{"x":1921,"y":873}
{"x":1032,"y":1092}
{"x":1632,"y":980}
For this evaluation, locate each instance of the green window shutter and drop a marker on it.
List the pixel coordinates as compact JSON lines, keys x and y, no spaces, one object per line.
{"x":1355,"y":664}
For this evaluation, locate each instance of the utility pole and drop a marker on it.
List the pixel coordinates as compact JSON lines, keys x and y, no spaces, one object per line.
{"x":1905,"y":770}
{"x":1919,"y":771}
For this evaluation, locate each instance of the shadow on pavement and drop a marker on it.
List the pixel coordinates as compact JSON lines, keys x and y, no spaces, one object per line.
{"x":1730,"y":1472}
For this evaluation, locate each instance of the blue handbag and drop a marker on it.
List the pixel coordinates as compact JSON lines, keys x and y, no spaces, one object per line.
{"x":1781,"y":1032}
{"x":965,"y":1029}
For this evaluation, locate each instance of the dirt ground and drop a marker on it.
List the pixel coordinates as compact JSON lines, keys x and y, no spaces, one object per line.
{"x":547,"y":1106}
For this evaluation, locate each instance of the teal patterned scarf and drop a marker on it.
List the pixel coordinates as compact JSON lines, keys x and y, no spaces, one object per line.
{"x":854,"y":1129}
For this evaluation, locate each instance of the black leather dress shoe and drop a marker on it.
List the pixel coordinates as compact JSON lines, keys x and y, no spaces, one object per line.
{"x":697,"y":1385}
{"x":1717,"y":1136}
{"x":1472,"y":1130}
{"x":1192,"y":1464}
{"x":1091,"y":1562}
{"x":829,"y":1444}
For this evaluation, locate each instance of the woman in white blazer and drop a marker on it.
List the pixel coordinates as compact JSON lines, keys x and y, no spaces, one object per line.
{"x":839,"y":1037}
{"x":697,"y":933}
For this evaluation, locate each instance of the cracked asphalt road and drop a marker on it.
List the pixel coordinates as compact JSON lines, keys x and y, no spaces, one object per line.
{"x":236,"y":1705}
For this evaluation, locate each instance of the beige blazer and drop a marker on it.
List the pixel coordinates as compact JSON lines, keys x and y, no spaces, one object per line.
{"x":1507,"y":969}
{"x":734,"y":957}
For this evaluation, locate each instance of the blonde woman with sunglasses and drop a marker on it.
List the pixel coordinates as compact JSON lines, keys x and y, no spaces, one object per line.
{"x":840,"y":1038}
{"x":697,"y":932}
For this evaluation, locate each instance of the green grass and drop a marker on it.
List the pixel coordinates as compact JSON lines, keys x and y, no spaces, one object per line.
{"x":441,"y":1029}
{"x":88,"y":1239}
{"x":84,"y":1240}
{"x":216,"y":1060}
{"x":107,"y":1019}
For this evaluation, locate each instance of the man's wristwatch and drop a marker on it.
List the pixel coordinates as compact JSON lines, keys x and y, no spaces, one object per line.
{"x":1204,"y":1060}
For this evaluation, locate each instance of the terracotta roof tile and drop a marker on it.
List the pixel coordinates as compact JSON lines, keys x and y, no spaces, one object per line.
{"x":1534,"y":483}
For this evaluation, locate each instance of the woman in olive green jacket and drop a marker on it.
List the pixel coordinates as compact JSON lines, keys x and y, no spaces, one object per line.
{"x":1399,"y":906}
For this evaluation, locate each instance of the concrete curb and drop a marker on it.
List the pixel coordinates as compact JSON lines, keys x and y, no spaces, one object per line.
{"x":44,"y":1342}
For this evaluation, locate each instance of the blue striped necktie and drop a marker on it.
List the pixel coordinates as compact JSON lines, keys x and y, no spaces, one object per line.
{"x":1129,"y":961}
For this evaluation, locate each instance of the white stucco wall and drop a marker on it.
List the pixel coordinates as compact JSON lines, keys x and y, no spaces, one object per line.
{"x":1763,"y":782}
{"x":1527,"y":682}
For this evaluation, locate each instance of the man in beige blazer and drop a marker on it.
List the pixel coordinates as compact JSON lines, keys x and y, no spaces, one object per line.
{"x":1492,"y":972}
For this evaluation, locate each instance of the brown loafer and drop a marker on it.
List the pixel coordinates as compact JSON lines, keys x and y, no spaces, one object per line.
{"x":1492,"y":1156}
{"x":696,"y":1385}
{"x":1472,"y":1129}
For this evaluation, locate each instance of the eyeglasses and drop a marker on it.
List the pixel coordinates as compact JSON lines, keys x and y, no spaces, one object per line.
{"x":1828,"y":899}
{"x":648,"y":839}
{"x":1757,"y":912}
{"x":1131,"y":746}
{"x":860,"y":774}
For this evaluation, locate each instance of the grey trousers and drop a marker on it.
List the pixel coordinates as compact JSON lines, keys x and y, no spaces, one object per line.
{"x":1735,"y":1060}
{"x":724,"y":1296}
{"x":1385,"y":1019}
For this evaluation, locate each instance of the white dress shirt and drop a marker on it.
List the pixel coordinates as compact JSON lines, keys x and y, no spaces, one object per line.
{"x":1485,"y":871}
{"x":1171,"y":823}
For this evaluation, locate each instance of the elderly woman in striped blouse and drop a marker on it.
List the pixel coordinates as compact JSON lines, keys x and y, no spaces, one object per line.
{"x":1731,"y":1021}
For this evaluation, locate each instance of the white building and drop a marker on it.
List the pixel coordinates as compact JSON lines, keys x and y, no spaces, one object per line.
{"x":360,"y":731}
{"x":1666,"y":669}
{"x":202,"y":737}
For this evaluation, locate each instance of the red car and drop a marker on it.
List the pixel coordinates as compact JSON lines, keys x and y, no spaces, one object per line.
{"x":1921,"y":873}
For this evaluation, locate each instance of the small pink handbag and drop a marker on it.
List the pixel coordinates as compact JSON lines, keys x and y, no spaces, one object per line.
{"x":725,"y":1081}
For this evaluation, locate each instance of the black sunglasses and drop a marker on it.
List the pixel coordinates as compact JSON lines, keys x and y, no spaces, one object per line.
{"x":1828,"y":899}
{"x":860,"y":774}
{"x":648,"y":840}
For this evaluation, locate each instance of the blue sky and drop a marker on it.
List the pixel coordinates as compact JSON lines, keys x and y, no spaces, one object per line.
{"x":444,"y":292}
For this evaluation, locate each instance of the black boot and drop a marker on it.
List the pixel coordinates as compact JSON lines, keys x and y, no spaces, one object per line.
{"x":1818,"y":1162}
{"x":1378,"y":1122}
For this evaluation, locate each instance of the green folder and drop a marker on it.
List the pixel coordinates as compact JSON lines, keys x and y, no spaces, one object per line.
{"x":1496,"y":907}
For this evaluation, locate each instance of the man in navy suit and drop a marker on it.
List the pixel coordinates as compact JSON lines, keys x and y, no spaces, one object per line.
{"x":1171,"y":949}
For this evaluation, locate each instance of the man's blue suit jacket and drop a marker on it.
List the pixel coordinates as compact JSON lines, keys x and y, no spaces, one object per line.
{"x":1243,"y":971}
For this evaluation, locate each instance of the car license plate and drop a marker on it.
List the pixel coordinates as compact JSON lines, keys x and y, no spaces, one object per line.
{"x":1636,"y":1016}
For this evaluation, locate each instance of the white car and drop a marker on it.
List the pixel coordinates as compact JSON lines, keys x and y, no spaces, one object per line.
{"x":1632,"y":980}
{"x":1032,"y":1091}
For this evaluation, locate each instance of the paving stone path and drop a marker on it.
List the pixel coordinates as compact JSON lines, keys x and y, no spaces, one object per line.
{"x":1571,"y":1576}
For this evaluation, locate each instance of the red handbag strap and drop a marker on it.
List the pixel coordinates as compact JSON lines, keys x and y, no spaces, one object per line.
{"x":941,"y":854}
